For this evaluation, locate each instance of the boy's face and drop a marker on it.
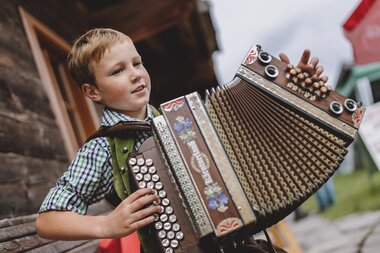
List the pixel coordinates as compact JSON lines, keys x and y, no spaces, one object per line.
{"x":122,"y":81}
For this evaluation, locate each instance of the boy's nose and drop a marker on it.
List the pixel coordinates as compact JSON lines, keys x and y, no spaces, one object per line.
{"x":135,"y":75}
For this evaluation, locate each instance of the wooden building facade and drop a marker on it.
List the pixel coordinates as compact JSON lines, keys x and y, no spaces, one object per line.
{"x":44,"y":118}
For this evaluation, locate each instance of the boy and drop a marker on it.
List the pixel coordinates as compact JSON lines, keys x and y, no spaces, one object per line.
{"x":109,"y":70}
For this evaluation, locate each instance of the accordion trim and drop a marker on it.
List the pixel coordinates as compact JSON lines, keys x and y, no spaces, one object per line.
{"x":297,"y":102}
{"x":183,"y":177}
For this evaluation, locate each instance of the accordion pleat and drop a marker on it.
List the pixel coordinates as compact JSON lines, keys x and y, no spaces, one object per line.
{"x":280,"y":157}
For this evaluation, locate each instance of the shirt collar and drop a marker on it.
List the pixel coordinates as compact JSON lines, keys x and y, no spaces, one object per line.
{"x":111,"y":117}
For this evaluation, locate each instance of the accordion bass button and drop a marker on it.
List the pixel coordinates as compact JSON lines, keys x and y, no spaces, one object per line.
{"x":167,"y":226}
{"x":158,"y":186}
{"x":139,"y":176}
{"x":150,"y":185}
{"x":165,"y":202}
{"x":147,"y":177}
{"x":179,"y":235}
{"x":155,"y":177}
{"x":169,"y":250}
{"x":174,"y":244}
{"x":144,"y":169}
{"x":132,"y":161}
{"x":158,"y":225}
{"x":165,"y":242}
{"x":170,"y":235}
{"x":152,"y":170}
{"x":149,"y":162}
{"x":140,"y":161}
{"x":136,"y":169}
{"x":176,"y":227}
{"x":169,"y":210}
{"x":162,"y":194}
{"x":164,"y":217}
{"x":162,"y":234}
{"x":172,"y":218}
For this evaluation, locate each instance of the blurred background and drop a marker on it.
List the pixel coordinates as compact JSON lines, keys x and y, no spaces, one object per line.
{"x":187,"y":45}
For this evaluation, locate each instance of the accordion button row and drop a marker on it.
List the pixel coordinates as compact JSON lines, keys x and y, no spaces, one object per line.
{"x":168,"y":230}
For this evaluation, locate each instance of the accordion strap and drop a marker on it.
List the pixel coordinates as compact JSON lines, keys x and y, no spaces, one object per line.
{"x":124,"y":128}
{"x":121,"y":129}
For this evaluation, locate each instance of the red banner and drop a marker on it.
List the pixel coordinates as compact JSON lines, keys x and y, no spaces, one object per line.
{"x":362,"y":28}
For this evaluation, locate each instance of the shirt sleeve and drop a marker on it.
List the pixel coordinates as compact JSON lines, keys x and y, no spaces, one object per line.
{"x":87,"y":180}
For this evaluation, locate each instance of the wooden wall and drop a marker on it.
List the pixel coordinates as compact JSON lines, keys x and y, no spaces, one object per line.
{"x":32,"y":154}
{"x":31,"y":150}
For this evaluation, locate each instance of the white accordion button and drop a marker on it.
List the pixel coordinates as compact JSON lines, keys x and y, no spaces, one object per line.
{"x":132,"y":161}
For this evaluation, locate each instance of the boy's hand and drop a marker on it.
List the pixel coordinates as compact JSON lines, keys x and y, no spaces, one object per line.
{"x":306,"y":65}
{"x":131,"y":214}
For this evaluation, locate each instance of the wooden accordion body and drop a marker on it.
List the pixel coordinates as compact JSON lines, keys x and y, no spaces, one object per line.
{"x":246,"y":157}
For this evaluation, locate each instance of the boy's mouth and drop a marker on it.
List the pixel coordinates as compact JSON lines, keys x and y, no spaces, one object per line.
{"x":139,"y":88}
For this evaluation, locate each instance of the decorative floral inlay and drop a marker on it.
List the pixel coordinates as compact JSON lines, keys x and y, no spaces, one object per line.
{"x":201,"y":164}
{"x":217,"y":199}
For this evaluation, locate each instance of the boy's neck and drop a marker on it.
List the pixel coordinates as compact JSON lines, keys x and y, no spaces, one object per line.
{"x":141,"y":114}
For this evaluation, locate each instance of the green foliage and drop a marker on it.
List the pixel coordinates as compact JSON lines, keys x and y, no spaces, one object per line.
{"x":356,"y":192}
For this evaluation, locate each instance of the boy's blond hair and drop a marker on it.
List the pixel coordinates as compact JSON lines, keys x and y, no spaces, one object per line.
{"x":89,"y":49}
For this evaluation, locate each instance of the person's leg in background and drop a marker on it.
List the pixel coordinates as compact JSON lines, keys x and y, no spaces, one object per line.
{"x":326,"y":195}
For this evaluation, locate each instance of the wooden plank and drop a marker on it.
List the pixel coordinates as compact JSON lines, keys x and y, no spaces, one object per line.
{"x":14,"y":200}
{"x":99,"y":208}
{"x":17,"y":220}
{"x":21,"y":92}
{"x":17,"y":231}
{"x":13,"y":37}
{"x":34,"y":171}
{"x":32,"y":139}
{"x":63,"y":246}
{"x":25,"y":181}
{"x":22,"y":244}
{"x":143,"y":18}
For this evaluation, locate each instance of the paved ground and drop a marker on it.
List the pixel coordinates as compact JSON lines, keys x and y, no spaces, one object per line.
{"x":357,"y":233}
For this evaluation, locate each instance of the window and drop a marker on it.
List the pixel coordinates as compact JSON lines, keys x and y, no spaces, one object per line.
{"x":76,"y":115}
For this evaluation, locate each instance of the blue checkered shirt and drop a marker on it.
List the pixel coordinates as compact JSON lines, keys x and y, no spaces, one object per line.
{"x":89,"y":177}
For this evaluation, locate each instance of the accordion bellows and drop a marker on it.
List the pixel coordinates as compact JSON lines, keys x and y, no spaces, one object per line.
{"x":245,"y":157}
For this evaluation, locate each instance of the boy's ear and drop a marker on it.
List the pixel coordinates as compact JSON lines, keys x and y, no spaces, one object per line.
{"x":92,"y":92}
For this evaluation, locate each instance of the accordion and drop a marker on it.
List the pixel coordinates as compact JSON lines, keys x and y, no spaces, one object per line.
{"x":244,"y":157}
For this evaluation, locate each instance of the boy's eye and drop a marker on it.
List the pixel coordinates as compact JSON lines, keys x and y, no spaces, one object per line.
{"x":117,"y":71}
{"x":137,"y":63}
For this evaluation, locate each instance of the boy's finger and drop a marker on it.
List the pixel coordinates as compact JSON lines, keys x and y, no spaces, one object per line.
{"x":324,"y":78}
{"x":143,"y":201}
{"x":304,"y":58}
{"x":141,"y":223}
{"x":319,"y":70}
{"x":313,"y":63}
{"x":145,"y":212}
{"x":138,"y":194}
{"x":284,"y":58}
